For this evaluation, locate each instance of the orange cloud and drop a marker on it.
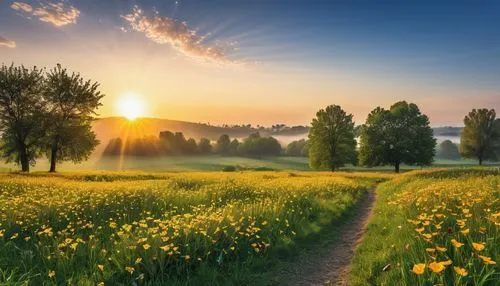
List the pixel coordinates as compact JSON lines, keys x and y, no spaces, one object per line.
{"x":165,"y":30}
{"x":7,"y":43}
{"x":56,"y":14}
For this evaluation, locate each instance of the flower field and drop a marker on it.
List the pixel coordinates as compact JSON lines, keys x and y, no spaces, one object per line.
{"x":433,"y":228}
{"x":137,"y":228}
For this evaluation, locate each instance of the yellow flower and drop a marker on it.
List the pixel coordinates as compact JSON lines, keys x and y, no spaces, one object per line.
{"x":446,"y":263}
{"x":430,"y":250}
{"x":101,"y":267}
{"x":165,"y":248}
{"x":487,"y":260}
{"x":420,"y":229}
{"x":130,"y":269}
{"x":138,"y":260}
{"x":460,"y":271}
{"x":418,"y":268}
{"x":52,"y":273}
{"x":465,"y":231}
{"x":146,"y":246}
{"x":456,"y":243}
{"x":427,"y":235}
{"x":436,"y":267}
{"x":478,"y":246}
{"x":441,"y":249}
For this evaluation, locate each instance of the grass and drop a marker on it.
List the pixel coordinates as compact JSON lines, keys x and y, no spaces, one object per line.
{"x":89,"y":228}
{"x":433,"y":227}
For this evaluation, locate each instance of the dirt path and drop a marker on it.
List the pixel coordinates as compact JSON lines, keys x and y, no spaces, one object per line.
{"x":328,"y":263}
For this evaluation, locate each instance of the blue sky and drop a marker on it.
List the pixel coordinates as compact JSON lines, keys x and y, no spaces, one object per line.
{"x":443,"y":55}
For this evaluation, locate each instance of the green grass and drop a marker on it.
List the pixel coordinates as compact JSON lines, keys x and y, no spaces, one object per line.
{"x":420,"y":212}
{"x":163,"y":228}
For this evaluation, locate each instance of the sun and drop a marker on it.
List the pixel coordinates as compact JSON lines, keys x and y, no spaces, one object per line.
{"x":131,"y":106}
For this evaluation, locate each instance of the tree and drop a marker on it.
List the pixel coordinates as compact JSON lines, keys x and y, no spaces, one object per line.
{"x":21,"y":114}
{"x":480,"y":137}
{"x":298,"y":148}
{"x":331,"y":139}
{"x":255,"y":145}
{"x":399,"y":135}
{"x":72,"y":103}
{"x":191,"y":146}
{"x":204,"y":146}
{"x":222,"y":145}
{"x":233,"y":147}
{"x":448,"y":150}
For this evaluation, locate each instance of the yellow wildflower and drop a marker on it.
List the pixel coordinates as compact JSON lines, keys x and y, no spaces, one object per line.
{"x":418,"y":268}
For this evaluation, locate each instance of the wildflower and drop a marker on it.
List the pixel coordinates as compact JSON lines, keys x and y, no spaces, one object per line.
{"x":441,"y":249}
{"x":436,"y":267}
{"x":430,"y":250}
{"x":465,"y":231}
{"x":418,"y":268}
{"x":165,"y":248}
{"x":487,"y":260}
{"x":101,"y":267}
{"x":130,"y":269}
{"x":52,"y":273}
{"x":138,"y":260}
{"x":478,"y":246}
{"x":460,"y":271}
{"x":146,"y":246}
{"x":456,"y":243}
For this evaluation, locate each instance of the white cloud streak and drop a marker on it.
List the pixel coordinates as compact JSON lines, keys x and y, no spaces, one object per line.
{"x":165,"y":30}
{"x":56,"y":14}
{"x":7,"y":43}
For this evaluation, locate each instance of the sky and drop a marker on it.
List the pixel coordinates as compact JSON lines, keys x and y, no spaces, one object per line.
{"x":266,"y":62}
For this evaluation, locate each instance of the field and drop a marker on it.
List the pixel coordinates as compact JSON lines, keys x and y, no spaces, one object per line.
{"x":435,"y":227}
{"x":429,"y":227}
{"x":197,"y":228}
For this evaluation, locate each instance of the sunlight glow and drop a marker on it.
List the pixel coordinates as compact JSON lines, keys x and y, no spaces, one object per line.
{"x":131,"y":106}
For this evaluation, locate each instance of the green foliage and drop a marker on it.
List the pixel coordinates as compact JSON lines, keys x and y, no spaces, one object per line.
{"x":222,"y":145}
{"x":71,"y":105}
{"x":204,"y":146}
{"x":480,"y":137}
{"x":331,"y":139}
{"x":233,"y":147}
{"x":255,"y":145}
{"x":399,"y":135}
{"x":298,"y":148}
{"x":448,"y":151}
{"x":22,"y":118}
{"x":174,"y":144}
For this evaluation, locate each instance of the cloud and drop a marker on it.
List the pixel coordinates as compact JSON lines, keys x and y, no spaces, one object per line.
{"x":7,"y":43}
{"x":165,"y":30}
{"x":20,"y":6}
{"x":56,"y":14}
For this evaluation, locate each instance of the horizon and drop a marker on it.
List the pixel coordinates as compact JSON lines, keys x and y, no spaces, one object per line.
{"x":252,"y":62}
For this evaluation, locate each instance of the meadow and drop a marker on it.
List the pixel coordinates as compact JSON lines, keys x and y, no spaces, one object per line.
{"x":433,"y":227}
{"x":103,"y":228}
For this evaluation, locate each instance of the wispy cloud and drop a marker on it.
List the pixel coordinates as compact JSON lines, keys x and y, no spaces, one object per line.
{"x":179,"y":35}
{"x":7,"y":43}
{"x":57,"y":14}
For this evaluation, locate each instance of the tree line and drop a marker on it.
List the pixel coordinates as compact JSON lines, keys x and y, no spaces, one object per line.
{"x":46,"y":113}
{"x":395,"y":136}
{"x":174,"y":143}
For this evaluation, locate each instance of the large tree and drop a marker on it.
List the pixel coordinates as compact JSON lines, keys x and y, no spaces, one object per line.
{"x":21,"y":114}
{"x":72,"y":103}
{"x":399,"y":135}
{"x":331,"y":139}
{"x":480,"y":137}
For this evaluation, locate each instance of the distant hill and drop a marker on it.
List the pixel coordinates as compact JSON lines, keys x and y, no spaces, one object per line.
{"x":119,"y":127}
{"x":447,"y":131}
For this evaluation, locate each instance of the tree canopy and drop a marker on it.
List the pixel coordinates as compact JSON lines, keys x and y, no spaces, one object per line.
{"x":331,"y":139}
{"x":399,"y":135}
{"x":480,"y":138}
{"x":448,"y":151}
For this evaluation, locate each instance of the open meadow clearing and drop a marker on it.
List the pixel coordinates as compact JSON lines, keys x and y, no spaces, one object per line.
{"x":196,"y":228}
{"x":436,"y":227}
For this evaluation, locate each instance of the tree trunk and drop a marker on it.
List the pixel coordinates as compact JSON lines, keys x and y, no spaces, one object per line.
{"x":480,"y":160}
{"x":396,"y":167}
{"x":23,"y":158}
{"x":53,"y":156}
